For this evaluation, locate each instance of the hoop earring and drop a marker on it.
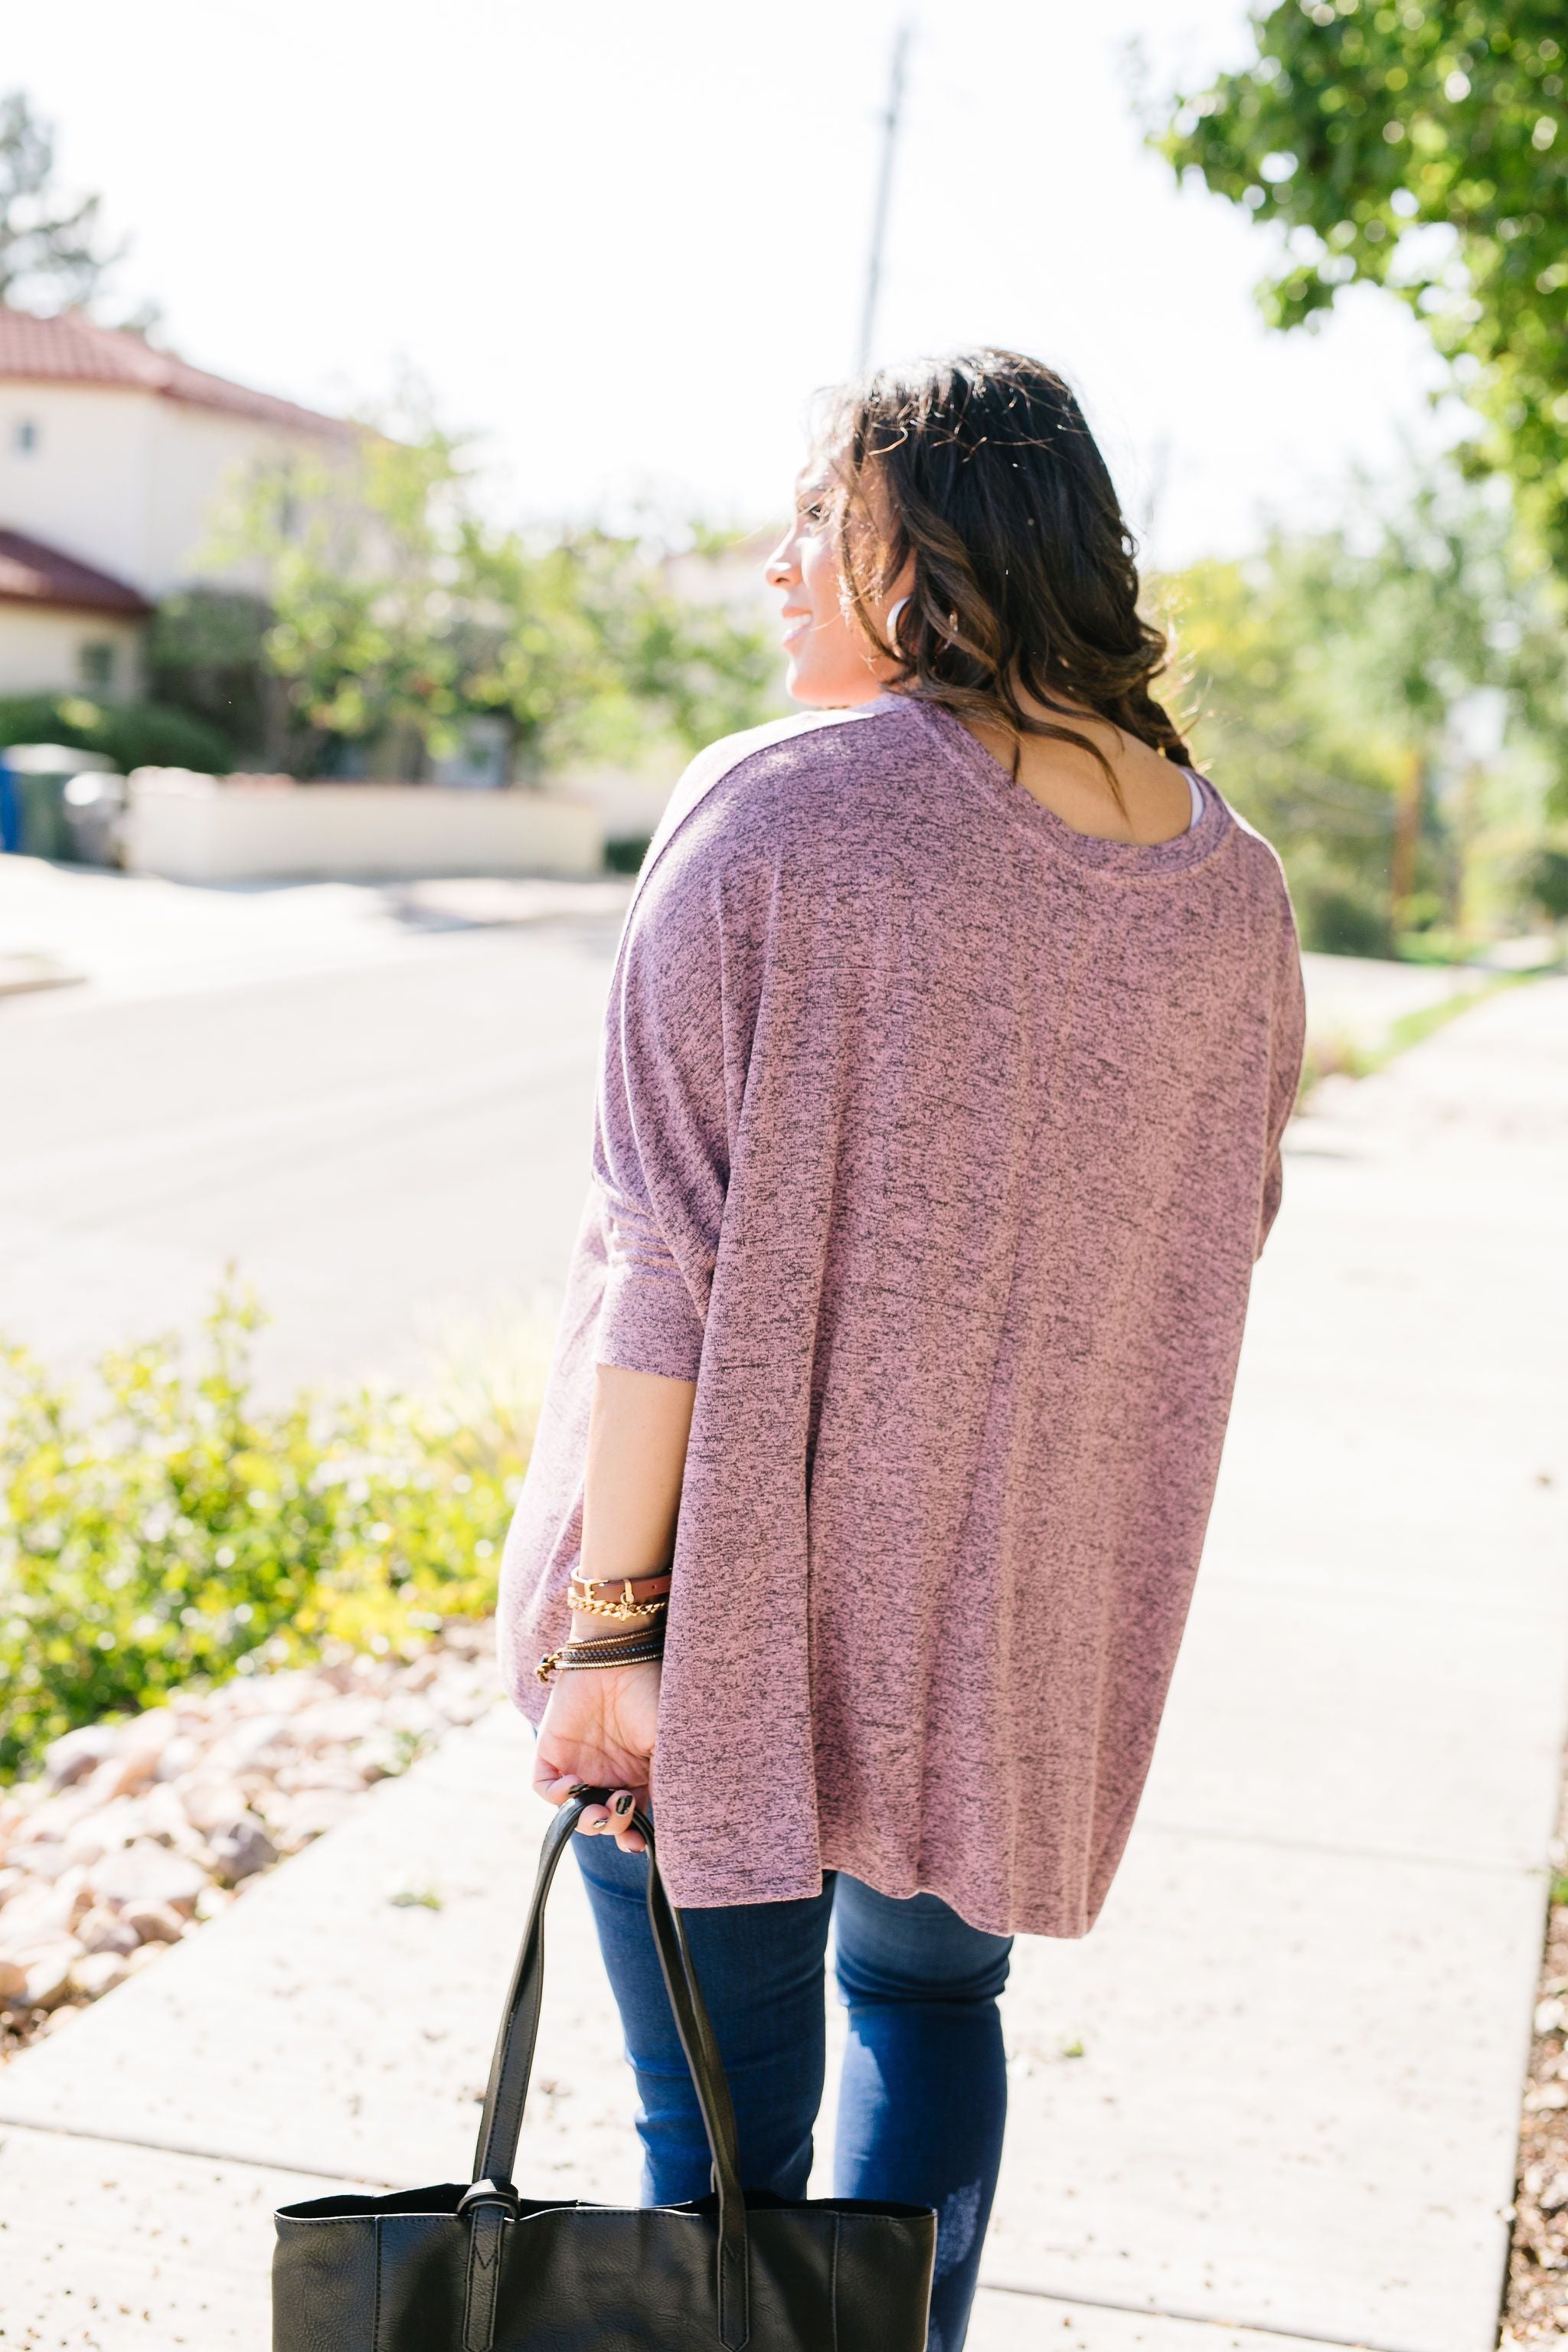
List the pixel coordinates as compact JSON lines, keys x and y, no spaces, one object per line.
{"x":891,"y":626}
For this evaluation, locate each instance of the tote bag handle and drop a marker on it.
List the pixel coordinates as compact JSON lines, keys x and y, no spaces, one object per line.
{"x":501,"y":2122}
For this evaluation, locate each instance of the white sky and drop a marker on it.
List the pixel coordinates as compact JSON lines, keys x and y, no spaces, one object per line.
{"x":623,"y":242}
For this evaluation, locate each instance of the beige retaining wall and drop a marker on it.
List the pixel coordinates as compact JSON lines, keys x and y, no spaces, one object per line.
{"x":191,"y":828}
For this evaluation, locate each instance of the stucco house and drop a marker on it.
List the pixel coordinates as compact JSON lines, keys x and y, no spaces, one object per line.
{"x":113,"y":458}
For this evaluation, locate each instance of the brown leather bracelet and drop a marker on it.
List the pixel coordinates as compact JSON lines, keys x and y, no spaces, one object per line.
{"x":644,"y":1575}
{"x":613,"y":1650}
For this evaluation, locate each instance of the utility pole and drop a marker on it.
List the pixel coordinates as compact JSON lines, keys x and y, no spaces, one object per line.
{"x":892,"y":121}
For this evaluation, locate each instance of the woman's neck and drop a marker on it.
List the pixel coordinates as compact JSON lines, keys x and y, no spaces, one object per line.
{"x":1156,"y":802}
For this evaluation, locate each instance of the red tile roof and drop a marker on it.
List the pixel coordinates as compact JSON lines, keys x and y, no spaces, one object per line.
{"x":72,"y":349}
{"x":33,"y":573}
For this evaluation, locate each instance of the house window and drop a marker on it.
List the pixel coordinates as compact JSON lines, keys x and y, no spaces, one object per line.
{"x":25,"y":436}
{"x":95,"y":665}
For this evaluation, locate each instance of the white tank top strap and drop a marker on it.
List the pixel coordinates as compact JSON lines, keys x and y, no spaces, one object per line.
{"x":1197,"y":791}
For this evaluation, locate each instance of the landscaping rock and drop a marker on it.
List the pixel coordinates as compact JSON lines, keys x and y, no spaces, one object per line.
{"x":242,"y":1849}
{"x":183,"y":1754}
{"x":337,"y":1722}
{"x":211,"y":1805}
{"x":44,"y":1860}
{"x":157,"y":1816}
{"x":322,"y":1773}
{"x":137,"y":1830}
{"x":145,"y":1872}
{"x":48,"y":1975}
{"x":97,"y":1973}
{"x":155,"y":1923}
{"x":257,"y":1742}
{"x":43,"y":1914}
{"x":78,"y":1752}
{"x":296,"y":1821}
{"x":103,"y":1930}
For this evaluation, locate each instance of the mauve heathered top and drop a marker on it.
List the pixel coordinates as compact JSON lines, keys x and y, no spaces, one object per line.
{"x":935,"y":1142}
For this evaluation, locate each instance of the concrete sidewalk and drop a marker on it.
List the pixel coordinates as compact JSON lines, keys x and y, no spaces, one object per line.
{"x":1304,"y":2016}
{"x":133,"y":936}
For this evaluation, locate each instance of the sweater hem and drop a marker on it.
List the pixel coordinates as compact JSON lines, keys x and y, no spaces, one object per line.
{"x":1051,"y":1921}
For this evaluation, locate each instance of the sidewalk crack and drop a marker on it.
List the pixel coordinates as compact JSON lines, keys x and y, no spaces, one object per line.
{"x":200,"y":2154}
{"x":1269,"y":2329}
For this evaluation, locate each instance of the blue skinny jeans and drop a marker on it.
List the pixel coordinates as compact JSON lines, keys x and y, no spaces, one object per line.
{"x":923,"y":2099}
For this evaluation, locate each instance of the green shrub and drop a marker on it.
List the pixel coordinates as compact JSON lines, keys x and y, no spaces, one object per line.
{"x":1341,"y":917}
{"x":171,"y":1530}
{"x":132,"y":734}
{"x":1548,"y":882}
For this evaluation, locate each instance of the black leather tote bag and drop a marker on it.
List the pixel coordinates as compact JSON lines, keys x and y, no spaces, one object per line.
{"x":482,"y":2267}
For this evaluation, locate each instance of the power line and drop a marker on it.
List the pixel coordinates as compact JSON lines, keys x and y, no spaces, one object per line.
{"x":892,"y":122}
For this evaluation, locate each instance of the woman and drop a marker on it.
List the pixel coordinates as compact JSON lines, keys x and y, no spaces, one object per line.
{"x":952,"y":1039}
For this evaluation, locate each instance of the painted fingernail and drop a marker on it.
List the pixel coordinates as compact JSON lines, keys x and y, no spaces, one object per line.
{"x":623,"y":1803}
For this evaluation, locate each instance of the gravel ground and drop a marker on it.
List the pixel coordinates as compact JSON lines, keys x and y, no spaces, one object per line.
{"x":139,"y":1831}
{"x":1536,"y":2312}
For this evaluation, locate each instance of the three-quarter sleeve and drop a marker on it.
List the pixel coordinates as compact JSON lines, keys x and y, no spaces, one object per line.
{"x":661,"y":1145}
{"x":1286,"y":1047}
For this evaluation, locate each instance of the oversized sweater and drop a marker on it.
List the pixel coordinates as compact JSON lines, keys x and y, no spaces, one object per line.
{"x":935,"y":1142}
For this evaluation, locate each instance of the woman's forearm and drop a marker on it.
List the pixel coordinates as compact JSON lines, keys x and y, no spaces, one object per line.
{"x":637,"y":1432}
{"x":600,"y":1723}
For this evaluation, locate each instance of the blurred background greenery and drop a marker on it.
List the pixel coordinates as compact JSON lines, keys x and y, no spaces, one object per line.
{"x":1385,"y":696}
{"x":1380,"y":692}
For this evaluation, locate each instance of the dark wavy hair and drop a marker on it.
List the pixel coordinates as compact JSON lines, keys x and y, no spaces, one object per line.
{"x":981,"y":468}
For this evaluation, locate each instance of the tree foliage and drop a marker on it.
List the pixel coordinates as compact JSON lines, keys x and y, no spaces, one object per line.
{"x":204,"y":657}
{"x":51,"y":253}
{"x":1327,"y":671}
{"x":1421,"y":145}
{"x":400,"y":612}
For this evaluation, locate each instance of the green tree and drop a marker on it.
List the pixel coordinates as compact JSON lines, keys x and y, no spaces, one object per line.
{"x":51,"y":257}
{"x":203,"y":658}
{"x":362,"y":555}
{"x":690,"y":666}
{"x":1420,"y":145}
{"x":1327,"y":673}
{"x":399,"y":612}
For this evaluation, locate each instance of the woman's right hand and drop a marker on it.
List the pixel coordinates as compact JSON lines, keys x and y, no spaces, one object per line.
{"x":598,"y":1732}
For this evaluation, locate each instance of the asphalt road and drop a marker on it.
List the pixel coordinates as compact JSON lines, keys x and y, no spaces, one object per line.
{"x":394,"y":1154}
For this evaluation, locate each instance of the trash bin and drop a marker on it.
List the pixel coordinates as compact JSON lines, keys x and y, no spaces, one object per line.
{"x":32,"y":796}
{"x":93,"y":807}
